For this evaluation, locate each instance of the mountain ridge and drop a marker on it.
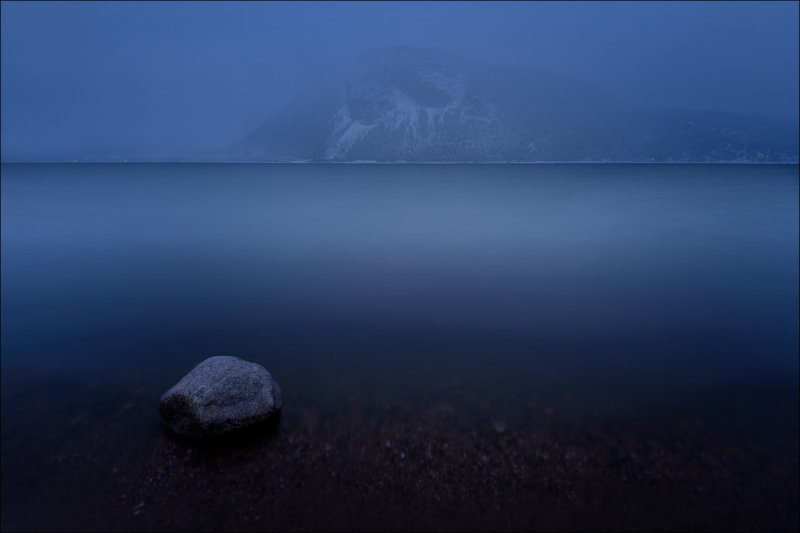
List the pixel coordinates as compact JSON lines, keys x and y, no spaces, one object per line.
{"x":405,"y":104}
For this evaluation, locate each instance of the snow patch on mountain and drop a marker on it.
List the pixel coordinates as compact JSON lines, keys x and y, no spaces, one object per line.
{"x":346,"y":132}
{"x":410,"y":104}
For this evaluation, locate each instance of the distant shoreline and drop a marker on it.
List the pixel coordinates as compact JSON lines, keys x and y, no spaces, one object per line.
{"x":400,"y":162}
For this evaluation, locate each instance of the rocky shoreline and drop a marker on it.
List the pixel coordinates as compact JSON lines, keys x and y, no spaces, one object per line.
{"x":459,"y":457}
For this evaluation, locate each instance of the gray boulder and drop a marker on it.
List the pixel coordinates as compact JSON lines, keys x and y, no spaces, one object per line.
{"x":221,"y":394}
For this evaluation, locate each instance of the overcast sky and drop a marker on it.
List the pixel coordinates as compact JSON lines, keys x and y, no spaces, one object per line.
{"x":160,"y":77}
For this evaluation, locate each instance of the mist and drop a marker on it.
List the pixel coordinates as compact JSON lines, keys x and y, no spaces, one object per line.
{"x":129,"y":78}
{"x":368,"y":266}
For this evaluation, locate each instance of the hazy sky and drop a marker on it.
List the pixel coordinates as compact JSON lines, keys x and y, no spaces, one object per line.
{"x":159,"y":77}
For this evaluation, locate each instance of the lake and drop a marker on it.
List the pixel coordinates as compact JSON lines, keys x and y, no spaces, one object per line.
{"x":535,"y":346}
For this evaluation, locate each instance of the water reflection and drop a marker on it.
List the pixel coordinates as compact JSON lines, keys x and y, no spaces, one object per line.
{"x":594,"y":273}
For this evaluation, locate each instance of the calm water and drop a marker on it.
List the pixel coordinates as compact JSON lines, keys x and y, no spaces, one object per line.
{"x":486,"y":347}
{"x":618,"y":283}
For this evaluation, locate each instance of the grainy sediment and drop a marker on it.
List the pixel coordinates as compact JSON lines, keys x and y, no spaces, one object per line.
{"x":458,"y":458}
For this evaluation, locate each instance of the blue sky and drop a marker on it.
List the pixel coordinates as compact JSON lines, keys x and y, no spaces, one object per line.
{"x":163,"y":77}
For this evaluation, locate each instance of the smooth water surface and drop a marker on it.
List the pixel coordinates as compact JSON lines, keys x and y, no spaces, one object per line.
{"x":613,"y":282}
{"x":549,"y":347}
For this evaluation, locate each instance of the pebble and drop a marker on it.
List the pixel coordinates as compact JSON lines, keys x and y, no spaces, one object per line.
{"x":219,"y":395}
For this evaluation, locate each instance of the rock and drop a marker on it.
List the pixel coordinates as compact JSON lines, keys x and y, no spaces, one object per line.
{"x":221,"y":394}
{"x":415,"y":105}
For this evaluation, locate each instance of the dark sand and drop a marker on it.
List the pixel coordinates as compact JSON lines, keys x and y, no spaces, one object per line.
{"x":618,"y":323}
{"x":79,"y":456}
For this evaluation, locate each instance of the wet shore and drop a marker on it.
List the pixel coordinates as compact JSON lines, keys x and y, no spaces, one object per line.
{"x":480,"y":347}
{"x":83,"y":456}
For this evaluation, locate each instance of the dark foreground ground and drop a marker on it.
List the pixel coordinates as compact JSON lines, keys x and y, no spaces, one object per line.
{"x":82,"y":457}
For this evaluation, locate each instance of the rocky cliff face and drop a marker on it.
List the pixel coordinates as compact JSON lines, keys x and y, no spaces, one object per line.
{"x":407,"y":104}
{"x":403,"y":104}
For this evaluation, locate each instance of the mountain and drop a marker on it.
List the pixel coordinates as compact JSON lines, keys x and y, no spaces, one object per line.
{"x":410,"y":104}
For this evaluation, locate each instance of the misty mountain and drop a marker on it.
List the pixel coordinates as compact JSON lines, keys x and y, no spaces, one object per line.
{"x":409,"y":104}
